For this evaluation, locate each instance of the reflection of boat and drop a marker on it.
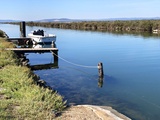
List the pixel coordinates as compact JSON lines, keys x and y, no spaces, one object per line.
{"x":43,"y":46}
{"x":37,"y":46}
{"x":39,"y":36}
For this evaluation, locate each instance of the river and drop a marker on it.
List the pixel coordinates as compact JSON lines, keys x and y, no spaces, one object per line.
{"x":131,"y":69}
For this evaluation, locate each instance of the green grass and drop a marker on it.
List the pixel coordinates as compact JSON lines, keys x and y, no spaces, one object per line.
{"x":1,"y":33}
{"x":20,"y":96}
{"x":7,"y":57}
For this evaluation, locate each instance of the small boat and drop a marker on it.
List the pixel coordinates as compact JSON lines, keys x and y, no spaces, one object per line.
{"x":39,"y":36}
{"x":156,"y":31}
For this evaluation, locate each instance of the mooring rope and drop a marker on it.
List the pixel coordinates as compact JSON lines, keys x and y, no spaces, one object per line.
{"x":74,"y":63}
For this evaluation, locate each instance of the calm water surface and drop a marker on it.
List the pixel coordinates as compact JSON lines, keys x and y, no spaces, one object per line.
{"x":131,"y":67}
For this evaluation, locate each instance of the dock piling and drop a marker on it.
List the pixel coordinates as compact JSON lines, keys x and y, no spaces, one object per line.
{"x":23,"y":28}
{"x":55,"y":54}
{"x":100,"y":70}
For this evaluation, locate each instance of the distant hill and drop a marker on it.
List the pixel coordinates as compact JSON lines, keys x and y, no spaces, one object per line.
{"x":139,"y":18}
{"x":47,"y":20}
{"x":59,"y":20}
{"x":10,"y":21}
{"x":79,"y":20}
{"x":107,"y":19}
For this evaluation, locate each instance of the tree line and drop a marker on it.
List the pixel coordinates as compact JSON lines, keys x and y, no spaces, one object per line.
{"x":112,"y":26}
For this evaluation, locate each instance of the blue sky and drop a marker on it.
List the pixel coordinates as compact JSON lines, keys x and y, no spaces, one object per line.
{"x":78,"y":9}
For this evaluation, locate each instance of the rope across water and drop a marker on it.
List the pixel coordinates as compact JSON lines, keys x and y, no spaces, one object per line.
{"x":74,"y":63}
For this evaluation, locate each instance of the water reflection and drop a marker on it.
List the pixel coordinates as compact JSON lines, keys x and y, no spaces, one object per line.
{"x":100,"y":82}
{"x":45,"y":66}
{"x":52,"y":65}
{"x":43,"y":46}
{"x":36,"y":46}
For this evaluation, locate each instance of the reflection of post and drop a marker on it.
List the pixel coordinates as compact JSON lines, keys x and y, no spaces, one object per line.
{"x":100,"y":82}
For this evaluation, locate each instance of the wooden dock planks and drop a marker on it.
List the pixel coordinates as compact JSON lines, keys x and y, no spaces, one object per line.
{"x":32,"y":50}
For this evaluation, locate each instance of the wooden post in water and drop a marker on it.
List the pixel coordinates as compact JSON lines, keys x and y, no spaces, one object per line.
{"x":100,"y":70}
{"x":23,"y":28}
{"x":55,"y":55}
{"x":53,"y":45}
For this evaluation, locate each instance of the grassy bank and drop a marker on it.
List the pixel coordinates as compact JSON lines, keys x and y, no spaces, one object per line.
{"x":20,"y":96}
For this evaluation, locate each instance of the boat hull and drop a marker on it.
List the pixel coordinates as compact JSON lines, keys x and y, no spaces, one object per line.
{"x":36,"y":39}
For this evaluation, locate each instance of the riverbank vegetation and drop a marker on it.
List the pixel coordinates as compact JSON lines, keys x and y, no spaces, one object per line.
{"x":20,"y":95}
{"x":126,"y":26}
{"x":7,"y":57}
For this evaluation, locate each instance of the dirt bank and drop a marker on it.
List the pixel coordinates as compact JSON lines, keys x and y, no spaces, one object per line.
{"x":90,"y":112}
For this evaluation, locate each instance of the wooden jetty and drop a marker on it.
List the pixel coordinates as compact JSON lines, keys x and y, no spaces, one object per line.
{"x":54,"y":51}
{"x":20,"y":41}
{"x":32,"y":50}
{"x":23,"y":40}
